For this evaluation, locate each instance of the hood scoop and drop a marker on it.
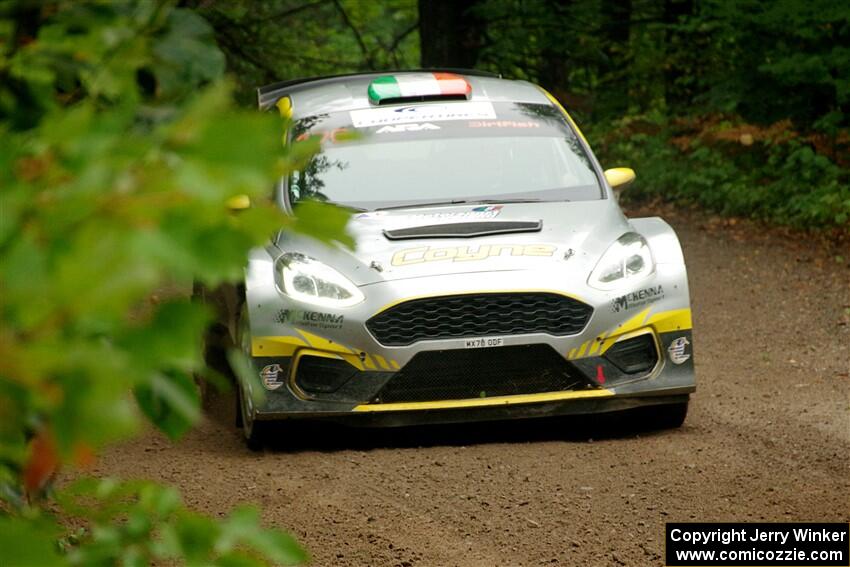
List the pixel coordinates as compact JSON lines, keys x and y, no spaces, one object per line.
{"x":463,"y":229}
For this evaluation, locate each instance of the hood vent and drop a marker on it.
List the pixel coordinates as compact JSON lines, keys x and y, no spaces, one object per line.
{"x":464,"y":229}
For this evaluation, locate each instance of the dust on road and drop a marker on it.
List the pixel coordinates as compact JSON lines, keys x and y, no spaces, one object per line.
{"x":767,"y":439}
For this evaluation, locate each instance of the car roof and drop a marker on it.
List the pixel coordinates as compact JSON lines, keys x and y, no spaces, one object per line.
{"x":349,"y":92}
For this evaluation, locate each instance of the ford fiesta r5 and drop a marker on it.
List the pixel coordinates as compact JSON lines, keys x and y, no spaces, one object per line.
{"x":493,"y":273}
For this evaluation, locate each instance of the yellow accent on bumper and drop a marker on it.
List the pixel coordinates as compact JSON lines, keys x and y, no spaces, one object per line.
{"x":322,"y":343}
{"x":289,"y":346}
{"x":275,"y":346}
{"x":485,"y":402}
{"x":663,"y":322}
{"x":669,"y":321}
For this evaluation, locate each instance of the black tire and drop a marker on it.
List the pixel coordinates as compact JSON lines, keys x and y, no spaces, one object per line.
{"x":668,"y":416}
{"x":237,"y":396}
{"x":225,"y":302}
{"x":255,"y":432}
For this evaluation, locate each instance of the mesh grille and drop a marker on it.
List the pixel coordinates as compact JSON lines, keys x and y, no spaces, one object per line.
{"x":481,"y":372}
{"x":480,"y":315}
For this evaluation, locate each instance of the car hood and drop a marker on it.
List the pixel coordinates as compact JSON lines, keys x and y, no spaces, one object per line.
{"x":420,"y":242}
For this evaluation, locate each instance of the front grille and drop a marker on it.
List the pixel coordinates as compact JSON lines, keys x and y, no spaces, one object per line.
{"x":479,"y":315}
{"x":481,"y":373}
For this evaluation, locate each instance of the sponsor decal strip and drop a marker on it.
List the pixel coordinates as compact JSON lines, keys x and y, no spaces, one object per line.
{"x":432,"y":112}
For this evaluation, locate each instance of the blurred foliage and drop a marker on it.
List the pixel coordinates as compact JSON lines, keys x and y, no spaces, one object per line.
{"x":117,"y":154}
{"x":735,"y":169}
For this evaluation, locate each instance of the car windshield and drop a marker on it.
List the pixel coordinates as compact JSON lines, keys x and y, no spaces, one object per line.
{"x":451,"y":152}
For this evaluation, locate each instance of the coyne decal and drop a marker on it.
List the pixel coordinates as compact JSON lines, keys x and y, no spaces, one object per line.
{"x":638,"y":298}
{"x":272,"y":376}
{"x":315,"y":319}
{"x":676,"y":350}
{"x":424,"y":254}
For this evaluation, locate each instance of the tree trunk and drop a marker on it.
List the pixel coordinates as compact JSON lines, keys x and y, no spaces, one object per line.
{"x":449,"y":35}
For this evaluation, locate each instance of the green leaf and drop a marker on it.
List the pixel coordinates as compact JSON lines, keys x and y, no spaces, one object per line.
{"x":323,"y":221}
{"x":28,"y":543}
{"x":171,"y":401}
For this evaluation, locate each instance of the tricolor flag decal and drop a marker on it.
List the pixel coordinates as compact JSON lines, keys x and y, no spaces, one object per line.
{"x":417,"y":84}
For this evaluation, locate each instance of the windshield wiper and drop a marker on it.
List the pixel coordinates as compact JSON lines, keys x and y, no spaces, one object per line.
{"x":420,"y":205}
{"x":463,"y":202}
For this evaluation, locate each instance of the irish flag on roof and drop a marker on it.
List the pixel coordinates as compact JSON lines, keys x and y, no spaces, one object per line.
{"x":413,"y":85}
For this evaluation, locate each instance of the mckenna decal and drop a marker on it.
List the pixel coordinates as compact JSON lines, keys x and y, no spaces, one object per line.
{"x":639,"y":298}
{"x":271,"y":376}
{"x":310,"y":318}
{"x":676,"y":350}
{"x":468,"y":253}
{"x":407,"y":128}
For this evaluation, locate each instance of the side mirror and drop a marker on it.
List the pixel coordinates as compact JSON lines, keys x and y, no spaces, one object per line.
{"x":619,"y":177}
{"x":238,"y":202}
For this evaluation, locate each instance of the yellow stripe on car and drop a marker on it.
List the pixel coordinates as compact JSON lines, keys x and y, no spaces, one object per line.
{"x":485,"y":402}
{"x":663,"y":322}
{"x":382,"y":362}
{"x":289,"y":346}
{"x":275,"y":346}
{"x":669,"y":321}
{"x":569,"y":118}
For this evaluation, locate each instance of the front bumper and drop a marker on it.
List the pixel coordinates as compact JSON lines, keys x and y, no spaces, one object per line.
{"x":286,"y":337}
{"x":601,"y":388}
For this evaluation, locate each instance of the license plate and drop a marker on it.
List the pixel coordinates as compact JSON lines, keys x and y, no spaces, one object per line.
{"x":484,"y":342}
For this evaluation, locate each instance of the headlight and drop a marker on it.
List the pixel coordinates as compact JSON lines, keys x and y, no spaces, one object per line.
{"x":310,"y":281}
{"x":627,"y":260}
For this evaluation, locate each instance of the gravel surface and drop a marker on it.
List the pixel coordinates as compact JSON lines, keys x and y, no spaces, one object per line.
{"x":767,"y":439}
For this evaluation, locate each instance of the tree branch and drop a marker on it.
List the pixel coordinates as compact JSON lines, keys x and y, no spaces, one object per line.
{"x":366,"y":54}
{"x":394,"y":45}
{"x":278,"y":16}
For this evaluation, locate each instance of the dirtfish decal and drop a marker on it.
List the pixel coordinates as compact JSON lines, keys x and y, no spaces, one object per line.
{"x":676,"y":350}
{"x":310,"y":318}
{"x":637,"y":298}
{"x":271,"y":376}
{"x":423,"y":254}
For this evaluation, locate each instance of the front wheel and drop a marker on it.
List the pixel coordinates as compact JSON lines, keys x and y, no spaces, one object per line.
{"x":255,"y":432}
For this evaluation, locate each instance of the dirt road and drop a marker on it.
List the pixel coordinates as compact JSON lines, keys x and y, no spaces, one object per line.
{"x":768,"y":438}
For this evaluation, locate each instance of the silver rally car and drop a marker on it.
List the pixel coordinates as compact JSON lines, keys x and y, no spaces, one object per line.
{"x":493,"y":275}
